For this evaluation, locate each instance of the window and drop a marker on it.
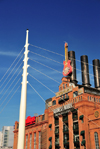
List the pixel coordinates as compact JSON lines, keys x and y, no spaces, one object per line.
{"x":26,"y":140}
{"x":35,"y":140}
{"x":39,"y":118}
{"x":82,"y":121}
{"x":94,"y":99}
{"x":83,"y":136}
{"x":75,"y":116}
{"x":65,"y":127}
{"x":67,"y":97}
{"x":79,"y":98}
{"x":99,"y":99}
{"x":54,"y":102}
{"x":6,"y":132}
{"x":63,"y":86}
{"x":96,"y":140}
{"x":75,"y":94}
{"x":64,"y":96}
{"x":81,"y":118}
{"x":39,"y":139}
{"x":5,"y":141}
{"x":30,"y":140}
{"x":56,"y":130}
{"x":66,"y":85}
{"x":88,"y":98}
{"x":51,"y":142}
{"x":75,"y":125}
{"x":56,"y":121}
{"x":76,"y":137}
{"x":50,"y":125}
{"x":66,"y":137}
{"x":42,"y":117}
{"x":56,"y":140}
{"x":61,"y":98}
{"x":5,"y":144}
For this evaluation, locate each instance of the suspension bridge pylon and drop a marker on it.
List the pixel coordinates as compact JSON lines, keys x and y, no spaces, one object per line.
{"x":22,"y":114}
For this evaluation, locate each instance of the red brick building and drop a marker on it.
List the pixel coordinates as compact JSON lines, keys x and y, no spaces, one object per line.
{"x":71,"y":118}
{"x":69,"y":121}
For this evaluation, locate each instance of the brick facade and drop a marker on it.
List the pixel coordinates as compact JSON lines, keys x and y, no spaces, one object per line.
{"x":71,"y":120}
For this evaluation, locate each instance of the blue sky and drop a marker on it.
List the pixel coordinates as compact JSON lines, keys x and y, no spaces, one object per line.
{"x":50,"y":23}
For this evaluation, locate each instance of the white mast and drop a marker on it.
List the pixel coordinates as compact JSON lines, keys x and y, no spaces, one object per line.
{"x":22,"y":115}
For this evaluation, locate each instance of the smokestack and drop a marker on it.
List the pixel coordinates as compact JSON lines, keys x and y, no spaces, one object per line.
{"x":71,"y":56}
{"x":96,"y":71}
{"x":85,"y":71}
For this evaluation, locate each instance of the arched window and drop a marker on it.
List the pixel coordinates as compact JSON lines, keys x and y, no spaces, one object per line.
{"x":75,"y":94}
{"x":54,"y":102}
{"x":96,"y":140}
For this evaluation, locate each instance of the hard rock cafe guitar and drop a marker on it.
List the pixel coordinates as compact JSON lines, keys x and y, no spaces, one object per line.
{"x":67,"y":63}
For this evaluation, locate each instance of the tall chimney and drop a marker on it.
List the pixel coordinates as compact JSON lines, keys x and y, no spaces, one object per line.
{"x":71,"y":56}
{"x":85,"y":71}
{"x":96,"y":71}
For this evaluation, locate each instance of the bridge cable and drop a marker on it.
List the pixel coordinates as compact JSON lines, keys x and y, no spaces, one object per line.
{"x":10,"y":85}
{"x":9,"y":100}
{"x":11,"y":64}
{"x":11,"y":77}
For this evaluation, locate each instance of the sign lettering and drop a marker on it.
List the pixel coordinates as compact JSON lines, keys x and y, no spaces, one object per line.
{"x":63,"y":109}
{"x":49,"y":103}
{"x":80,"y":91}
{"x":64,"y":91}
{"x":30,"y":120}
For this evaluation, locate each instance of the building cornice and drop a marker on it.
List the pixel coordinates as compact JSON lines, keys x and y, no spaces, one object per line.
{"x":33,"y":125}
{"x":36,"y":124}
